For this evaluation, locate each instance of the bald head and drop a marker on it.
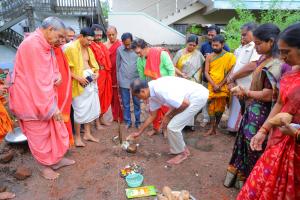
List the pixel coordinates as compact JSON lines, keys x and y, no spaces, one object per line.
{"x":112,"y":28}
{"x":112,"y":34}
{"x":140,"y":89}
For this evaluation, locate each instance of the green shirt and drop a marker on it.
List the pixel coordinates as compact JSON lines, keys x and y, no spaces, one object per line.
{"x":166,"y":66}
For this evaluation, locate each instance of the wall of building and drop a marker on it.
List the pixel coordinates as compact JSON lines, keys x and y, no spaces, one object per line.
{"x":157,"y":9}
{"x":145,"y":27}
{"x":217,"y":17}
{"x":72,"y":21}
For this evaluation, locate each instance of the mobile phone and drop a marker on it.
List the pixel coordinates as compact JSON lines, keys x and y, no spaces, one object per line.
{"x":89,"y":78}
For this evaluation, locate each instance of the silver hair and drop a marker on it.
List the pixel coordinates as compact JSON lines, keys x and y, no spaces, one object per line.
{"x":112,"y":27}
{"x":54,"y":22}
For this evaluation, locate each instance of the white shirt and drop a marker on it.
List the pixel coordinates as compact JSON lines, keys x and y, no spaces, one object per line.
{"x":171,"y":91}
{"x":245,"y":54}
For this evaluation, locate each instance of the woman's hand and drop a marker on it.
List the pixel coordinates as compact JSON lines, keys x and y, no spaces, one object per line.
{"x":230,"y":85}
{"x":257,"y":141}
{"x":287,"y":129}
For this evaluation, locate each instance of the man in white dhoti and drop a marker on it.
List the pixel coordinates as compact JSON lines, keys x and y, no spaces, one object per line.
{"x":245,"y":54}
{"x":84,"y":70}
{"x":185,"y":99}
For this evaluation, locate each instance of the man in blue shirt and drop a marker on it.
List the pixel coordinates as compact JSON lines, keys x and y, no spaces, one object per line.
{"x":206,"y":48}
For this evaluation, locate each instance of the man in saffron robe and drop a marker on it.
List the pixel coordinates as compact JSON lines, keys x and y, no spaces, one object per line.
{"x":113,"y":44}
{"x":104,"y":81}
{"x":217,"y":66}
{"x":64,"y":90}
{"x":33,"y":97}
{"x":84,"y":70}
{"x":153,"y":63}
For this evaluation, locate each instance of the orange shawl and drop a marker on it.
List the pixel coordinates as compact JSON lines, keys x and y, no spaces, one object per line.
{"x":113,"y":59}
{"x":64,"y":94}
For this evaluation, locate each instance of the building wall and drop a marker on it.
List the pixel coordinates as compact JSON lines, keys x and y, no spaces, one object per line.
{"x":165,"y":7}
{"x":145,"y":27}
{"x":217,"y":17}
{"x":73,"y":22}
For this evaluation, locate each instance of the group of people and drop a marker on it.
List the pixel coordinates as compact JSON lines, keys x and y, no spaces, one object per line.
{"x":60,"y":85}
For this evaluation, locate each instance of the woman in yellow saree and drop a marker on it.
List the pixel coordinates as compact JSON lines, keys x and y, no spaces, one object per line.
{"x":189,"y":61}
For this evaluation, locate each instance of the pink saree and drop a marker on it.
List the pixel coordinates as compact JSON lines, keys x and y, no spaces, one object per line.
{"x":276,"y":175}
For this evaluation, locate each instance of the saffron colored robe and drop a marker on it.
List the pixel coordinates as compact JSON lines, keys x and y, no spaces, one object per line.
{"x":115,"y":104}
{"x":33,"y":99}
{"x":6,"y":124}
{"x":64,"y":90}
{"x":104,"y":81}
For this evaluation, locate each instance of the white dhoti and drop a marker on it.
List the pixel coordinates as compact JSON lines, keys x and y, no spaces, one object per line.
{"x":87,"y":106}
{"x":178,"y":122}
{"x":234,"y":115}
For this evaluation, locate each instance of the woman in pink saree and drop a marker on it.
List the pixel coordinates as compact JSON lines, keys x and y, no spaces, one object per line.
{"x":276,"y":175}
{"x":33,"y":97}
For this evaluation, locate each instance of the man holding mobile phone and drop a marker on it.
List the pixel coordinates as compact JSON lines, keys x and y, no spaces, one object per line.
{"x":84,"y":70}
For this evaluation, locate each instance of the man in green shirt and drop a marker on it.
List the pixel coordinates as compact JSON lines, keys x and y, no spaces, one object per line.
{"x":153,"y":62}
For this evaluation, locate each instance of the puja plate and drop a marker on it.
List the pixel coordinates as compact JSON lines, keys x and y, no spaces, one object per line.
{"x":15,"y":136}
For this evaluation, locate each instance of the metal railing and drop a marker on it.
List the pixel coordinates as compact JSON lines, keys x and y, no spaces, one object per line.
{"x":11,"y":37}
{"x":9,"y":8}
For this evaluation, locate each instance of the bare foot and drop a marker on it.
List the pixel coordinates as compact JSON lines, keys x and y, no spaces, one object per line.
{"x":79,"y":143}
{"x":178,"y":159}
{"x":99,"y":127}
{"x":104,"y":123}
{"x":152,"y":132}
{"x":49,"y":174}
{"x":7,"y":195}
{"x":187,"y":151}
{"x":210,"y":132}
{"x":89,"y":137}
{"x":203,"y":124}
{"x":63,"y":163}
